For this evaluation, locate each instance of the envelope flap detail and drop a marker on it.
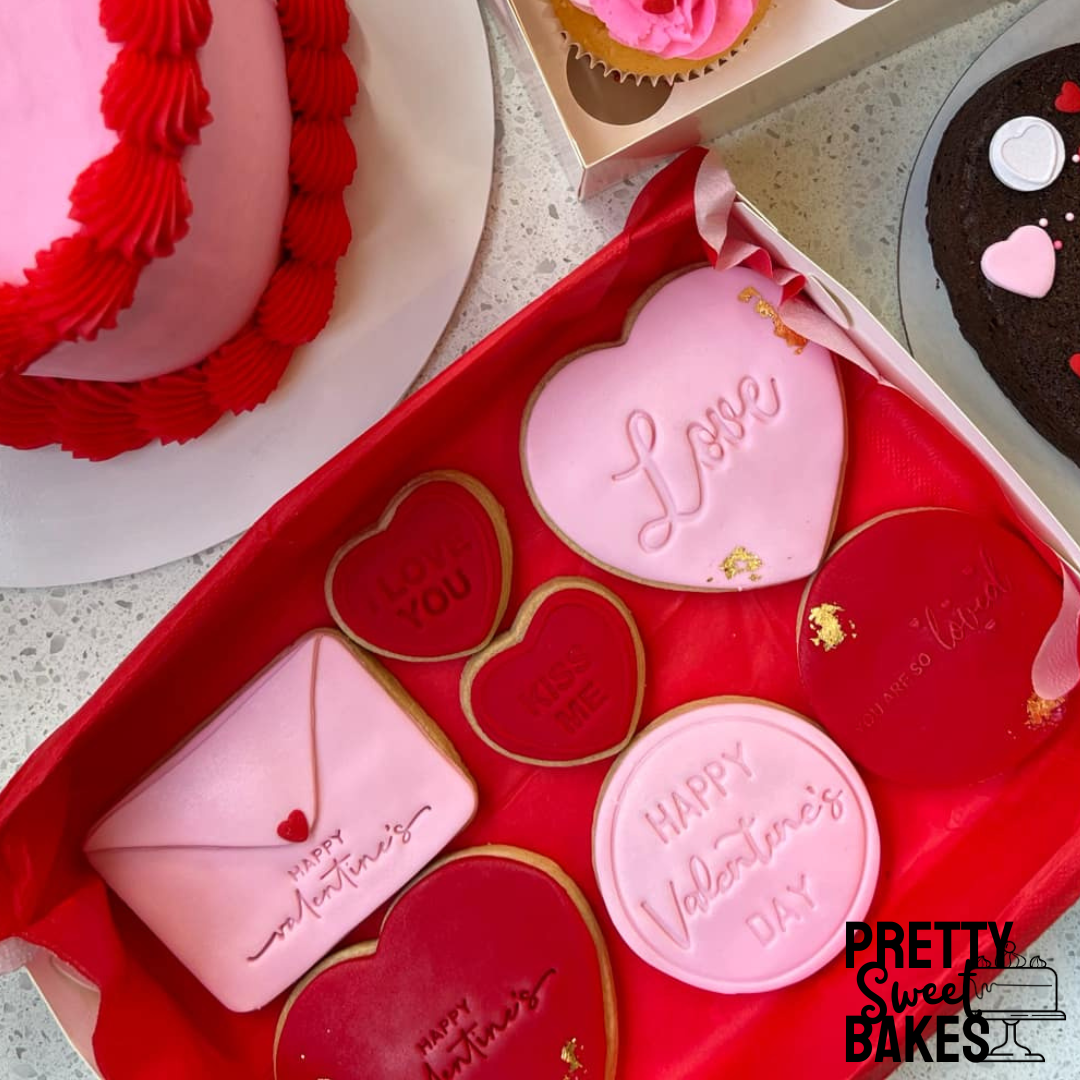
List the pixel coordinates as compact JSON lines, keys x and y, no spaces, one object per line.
{"x":247,"y":779}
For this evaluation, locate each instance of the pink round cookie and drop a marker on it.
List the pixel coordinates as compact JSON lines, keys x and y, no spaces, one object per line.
{"x":732,"y":842}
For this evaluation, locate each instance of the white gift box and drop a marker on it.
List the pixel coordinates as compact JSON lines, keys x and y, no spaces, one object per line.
{"x":606,"y":130}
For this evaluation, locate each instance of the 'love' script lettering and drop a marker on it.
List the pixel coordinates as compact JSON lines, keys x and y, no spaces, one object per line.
{"x":724,"y":428}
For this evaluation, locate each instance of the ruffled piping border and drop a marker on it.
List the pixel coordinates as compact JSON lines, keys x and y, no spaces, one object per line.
{"x":99,"y":420}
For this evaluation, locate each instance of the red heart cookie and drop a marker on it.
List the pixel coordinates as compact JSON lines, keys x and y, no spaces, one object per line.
{"x":490,"y":965}
{"x":917,"y":644}
{"x":564,"y":685}
{"x":1068,"y":101}
{"x":431,"y":580}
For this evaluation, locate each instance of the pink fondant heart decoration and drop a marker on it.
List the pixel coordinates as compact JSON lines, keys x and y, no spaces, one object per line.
{"x":1068,"y":101}
{"x":564,"y":685}
{"x":1025,"y":263}
{"x":295,"y":828}
{"x":705,"y":452}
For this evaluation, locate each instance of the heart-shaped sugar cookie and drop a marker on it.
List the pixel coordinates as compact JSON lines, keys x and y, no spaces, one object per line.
{"x":564,"y":685}
{"x":431,"y":580}
{"x":705,"y":452}
{"x":490,"y":964}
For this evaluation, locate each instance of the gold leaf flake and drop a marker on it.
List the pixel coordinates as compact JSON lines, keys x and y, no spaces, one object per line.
{"x":1041,"y":711}
{"x":767,"y":311}
{"x":825,"y":619}
{"x":570,"y":1057}
{"x":741,"y":561}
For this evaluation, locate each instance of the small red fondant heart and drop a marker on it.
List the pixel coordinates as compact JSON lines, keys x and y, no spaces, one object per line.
{"x":295,"y":828}
{"x":659,"y":7}
{"x":564,"y":685}
{"x":490,"y":964}
{"x":1074,"y":363}
{"x":1068,"y":101}
{"x":430,"y":581}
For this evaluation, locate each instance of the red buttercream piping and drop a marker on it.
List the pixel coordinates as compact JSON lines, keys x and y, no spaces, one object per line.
{"x":153,"y":216}
{"x":157,"y":26}
{"x":297,"y":302}
{"x":157,"y":101}
{"x":98,"y":420}
{"x":176,"y":406}
{"x":322,"y":84}
{"x":322,"y":159}
{"x":76,"y":289}
{"x":316,"y":23}
{"x":245,"y":371}
{"x":317,"y":229}
{"x":28,"y":412}
{"x":122,"y":218}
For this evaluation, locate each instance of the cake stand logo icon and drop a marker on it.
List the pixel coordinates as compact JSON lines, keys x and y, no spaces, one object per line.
{"x":1023,"y":989}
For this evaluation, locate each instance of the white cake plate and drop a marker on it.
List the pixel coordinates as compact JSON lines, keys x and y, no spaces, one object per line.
{"x":425,"y":131}
{"x":932,"y":330}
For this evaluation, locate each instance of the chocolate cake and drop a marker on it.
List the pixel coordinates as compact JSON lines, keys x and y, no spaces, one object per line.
{"x":1004,"y":206}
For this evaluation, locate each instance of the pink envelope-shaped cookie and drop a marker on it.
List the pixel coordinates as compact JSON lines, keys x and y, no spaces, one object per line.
{"x":304,"y":804}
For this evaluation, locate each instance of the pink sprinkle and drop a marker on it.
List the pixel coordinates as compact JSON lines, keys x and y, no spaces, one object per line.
{"x":1058,"y":245}
{"x":1044,"y":223}
{"x":1070,"y":217}
{"x":1076,"y":159}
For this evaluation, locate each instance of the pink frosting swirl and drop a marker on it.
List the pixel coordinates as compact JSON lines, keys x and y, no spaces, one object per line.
{"x":674,"y":29}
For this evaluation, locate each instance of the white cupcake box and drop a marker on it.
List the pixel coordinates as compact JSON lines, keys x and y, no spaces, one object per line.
{"x":607,"y":130}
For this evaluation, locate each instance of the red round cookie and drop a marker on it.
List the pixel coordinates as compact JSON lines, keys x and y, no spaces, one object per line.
{"x":916,"y":645}
{"x":491,"y":963}
{"x":430,"y":581}
{"x":564,"y":685}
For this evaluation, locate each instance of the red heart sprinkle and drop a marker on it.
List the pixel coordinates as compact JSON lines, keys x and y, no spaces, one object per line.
{"x":1068,"y":101}
{"x":295,"y":828}
{"x":1074,"y":363}
{"x":659,"y":7}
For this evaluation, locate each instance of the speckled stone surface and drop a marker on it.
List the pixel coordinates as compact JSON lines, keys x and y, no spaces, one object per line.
{"x":830,"y":171}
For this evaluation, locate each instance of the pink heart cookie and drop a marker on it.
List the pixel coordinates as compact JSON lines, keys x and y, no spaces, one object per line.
{"x":732,"y":842}
{"x":1025,"y":263}
{"x":706,"y":452}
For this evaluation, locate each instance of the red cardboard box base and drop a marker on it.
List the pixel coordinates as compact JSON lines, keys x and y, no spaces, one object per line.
{"x":1005,"y":849}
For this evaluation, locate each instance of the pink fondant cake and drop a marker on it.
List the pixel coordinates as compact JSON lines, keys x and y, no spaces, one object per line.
{"x":171,"y":196}
{"x":308,"y":801}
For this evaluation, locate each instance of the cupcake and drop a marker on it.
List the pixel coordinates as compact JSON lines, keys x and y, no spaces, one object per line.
{"x":658,"y":39}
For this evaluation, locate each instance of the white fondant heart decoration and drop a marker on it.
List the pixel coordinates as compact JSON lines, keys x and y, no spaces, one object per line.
{"x":1025,"y":263}
{"x":705,"y":452}
{"x":1027,"y":153}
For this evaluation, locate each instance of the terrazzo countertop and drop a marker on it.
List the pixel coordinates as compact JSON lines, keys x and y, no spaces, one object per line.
{"x":830,"y":171}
